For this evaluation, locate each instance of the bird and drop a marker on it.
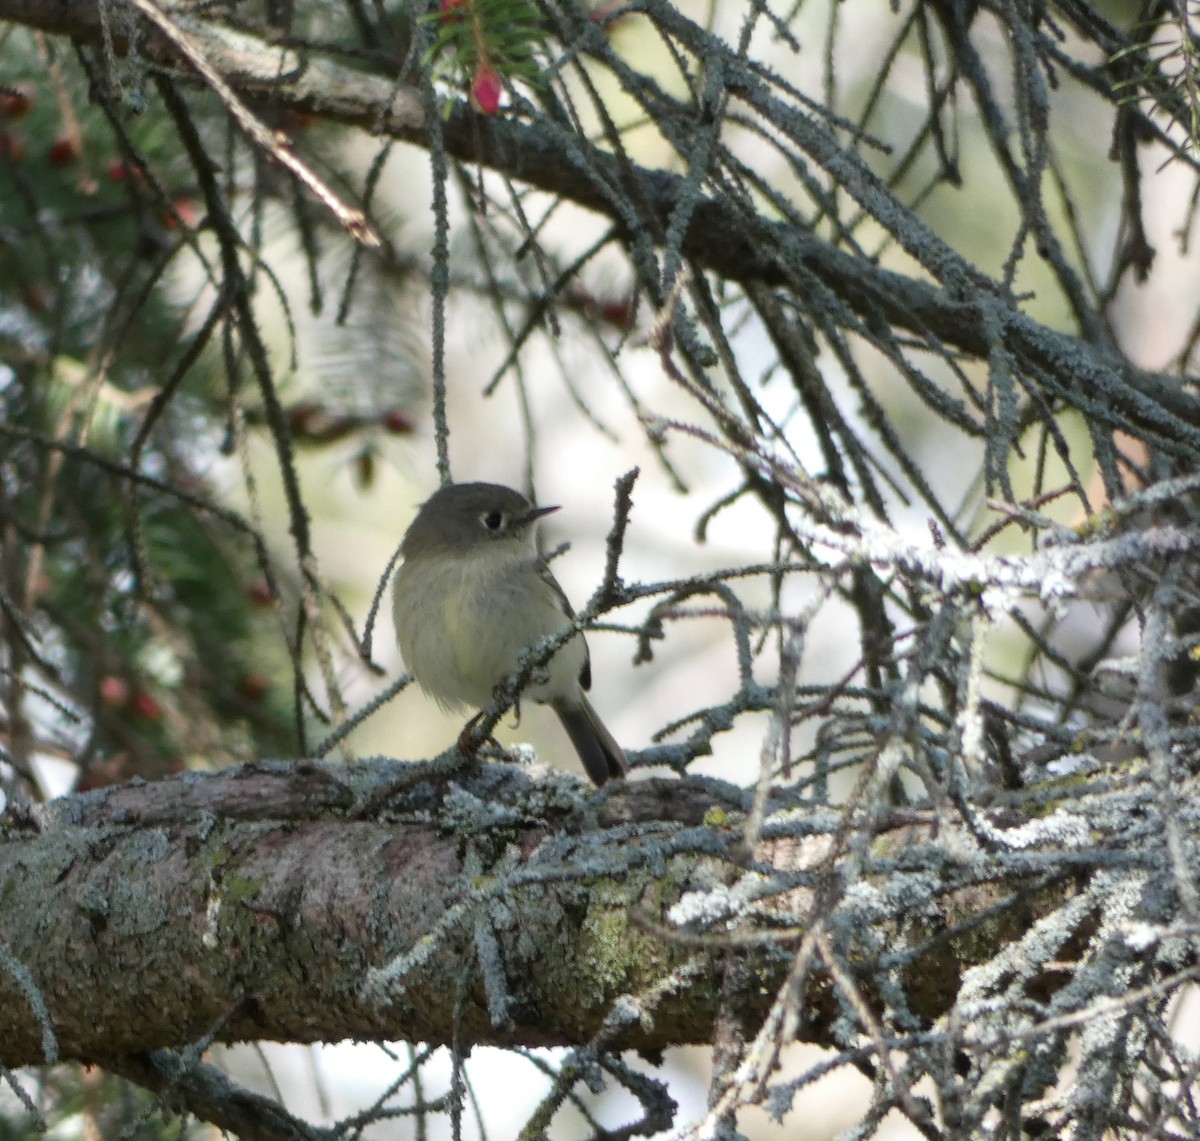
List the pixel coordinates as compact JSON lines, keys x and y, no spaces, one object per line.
{"x":472,"y":593}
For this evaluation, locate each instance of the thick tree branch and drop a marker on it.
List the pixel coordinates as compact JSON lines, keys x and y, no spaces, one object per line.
{"x":246,"y":905}
{"x":253,"y":904}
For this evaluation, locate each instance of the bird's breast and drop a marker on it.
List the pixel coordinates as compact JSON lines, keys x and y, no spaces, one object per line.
{"x":464,"y":623}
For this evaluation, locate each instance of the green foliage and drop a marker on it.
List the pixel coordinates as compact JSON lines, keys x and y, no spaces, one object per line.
{"x":146,"y":617}
{"x":86,"y":214}
{"x":91,"y":1103}
{"x":1164,"y":69}
{"x":473,"y":37}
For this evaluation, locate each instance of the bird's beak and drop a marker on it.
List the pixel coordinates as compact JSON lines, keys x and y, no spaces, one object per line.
{"x":535,"y":513}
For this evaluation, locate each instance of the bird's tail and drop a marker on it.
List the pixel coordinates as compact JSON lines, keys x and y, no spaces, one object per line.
{"x":602,"y":757}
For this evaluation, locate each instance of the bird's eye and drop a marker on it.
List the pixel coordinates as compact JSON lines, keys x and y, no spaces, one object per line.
{"x":492,"y":520}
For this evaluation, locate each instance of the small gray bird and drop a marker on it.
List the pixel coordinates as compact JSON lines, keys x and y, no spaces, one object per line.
{"x":472,"y":593}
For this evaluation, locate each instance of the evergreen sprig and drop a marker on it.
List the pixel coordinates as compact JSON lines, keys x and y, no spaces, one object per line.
{"x":480,"y":44}
{"x":1169,"y":70}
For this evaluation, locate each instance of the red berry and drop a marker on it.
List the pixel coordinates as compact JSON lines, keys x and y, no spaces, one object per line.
{"x":452,"y":10}
{"x":609,"y":13}
{"x":145,"y":707}
{"x":301,"y":416}
{"x":486,"y":90}
{"x":119,"y":171}
{"x":397,"y":422}
{"x":619,"y":313}
{"x":183,"y":213}
{"x":12,"y":146}
{"x":259,"y":593}
{"x":298,"y":119}
{"x":114,"y":691}
{"x":37,"y":297}
{"x":16,"y":101}
{"x":64,"y":150}
{"x":255,"y":686}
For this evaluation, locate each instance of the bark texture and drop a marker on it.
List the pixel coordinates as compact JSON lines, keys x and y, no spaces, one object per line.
{"x":253,"y":904}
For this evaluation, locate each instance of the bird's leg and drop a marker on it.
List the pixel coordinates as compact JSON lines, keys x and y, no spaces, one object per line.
{"x":469,"y":740}
{"x":466,"y":739}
